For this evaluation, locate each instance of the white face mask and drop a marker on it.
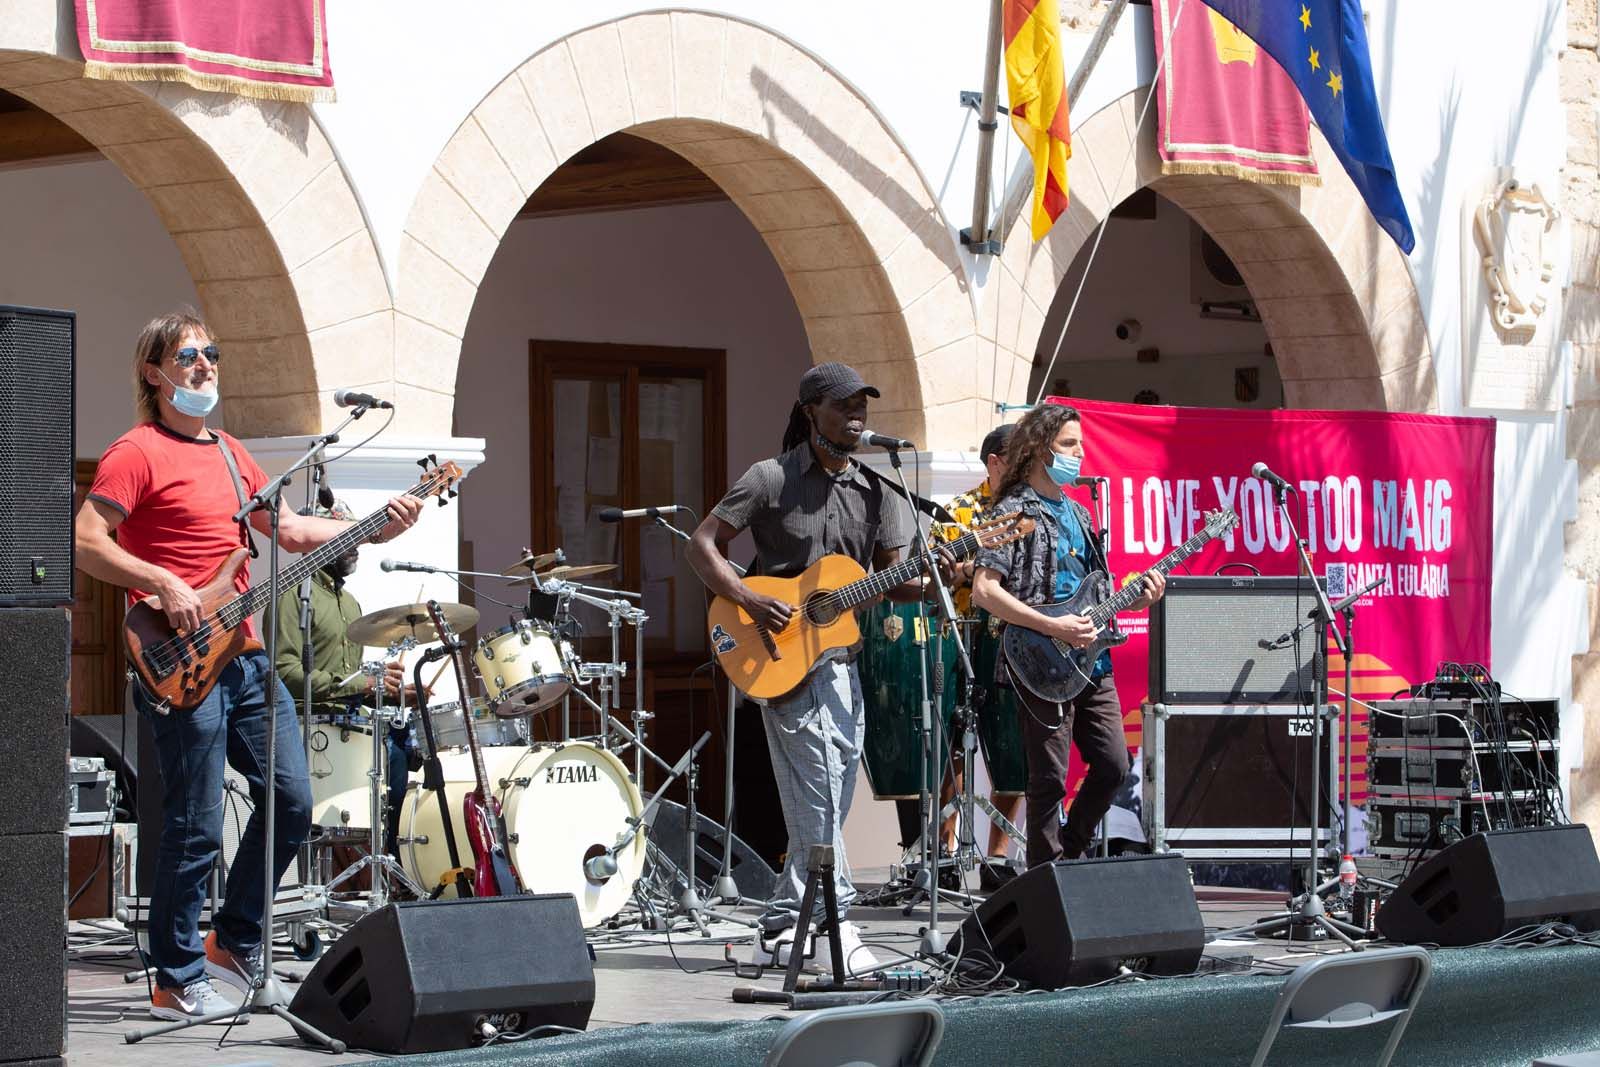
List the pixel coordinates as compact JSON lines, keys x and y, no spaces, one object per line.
{"x":196,"y":403}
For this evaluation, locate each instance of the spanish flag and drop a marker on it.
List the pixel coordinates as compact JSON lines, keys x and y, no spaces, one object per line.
{"x":1037,"y":82}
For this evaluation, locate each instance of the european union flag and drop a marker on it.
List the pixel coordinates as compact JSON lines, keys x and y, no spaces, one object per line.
{"x":1322,"y":45}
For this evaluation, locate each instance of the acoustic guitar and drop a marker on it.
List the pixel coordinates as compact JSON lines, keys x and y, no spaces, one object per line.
{"x":767,"y":664}
{"x":179,"y":670}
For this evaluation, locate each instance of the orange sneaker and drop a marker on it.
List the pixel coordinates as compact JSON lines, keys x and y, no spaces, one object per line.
{"x":194,"y":1001}
{"x":239,"y":970}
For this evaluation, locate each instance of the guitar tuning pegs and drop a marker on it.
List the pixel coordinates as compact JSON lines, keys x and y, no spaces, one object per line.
{"x":453,"y":493}
{"x":423,"y":462}
{"x":442,"y":501}
{"x":433,"y":460}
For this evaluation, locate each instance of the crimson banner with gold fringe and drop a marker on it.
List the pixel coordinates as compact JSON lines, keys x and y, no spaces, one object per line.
{"x":1223,"y":106}
{"x":269,"y":49}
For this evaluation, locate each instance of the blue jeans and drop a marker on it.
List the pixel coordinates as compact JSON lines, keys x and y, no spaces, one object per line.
{"x":399,"y":744}
{"x":230,"y":726}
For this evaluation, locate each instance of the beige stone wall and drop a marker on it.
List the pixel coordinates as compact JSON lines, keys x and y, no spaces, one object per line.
{"x":1335,"y":294}
{"x":853,"y":224}
{"x":1580,"y":93}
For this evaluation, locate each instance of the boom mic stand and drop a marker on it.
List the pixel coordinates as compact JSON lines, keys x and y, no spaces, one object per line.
{"x":268,"y":995}
{"x":1306,"y":910}
{"x":933,"y":939}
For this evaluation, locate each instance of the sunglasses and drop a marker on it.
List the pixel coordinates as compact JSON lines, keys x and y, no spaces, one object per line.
{"x":185,"y":357}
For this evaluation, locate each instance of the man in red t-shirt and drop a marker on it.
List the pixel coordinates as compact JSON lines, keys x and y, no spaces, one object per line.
{"x":164,"y":489}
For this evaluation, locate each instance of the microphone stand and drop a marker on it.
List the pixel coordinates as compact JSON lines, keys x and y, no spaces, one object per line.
{"x":268,"y":995}
{"x":307,"y":854}
{"x":1102,"y":537}
{"x":725,"y":889}
{"x":1306,"y":910}
{"x":933,"y":939}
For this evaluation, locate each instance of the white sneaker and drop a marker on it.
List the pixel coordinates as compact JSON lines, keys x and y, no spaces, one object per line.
{"x":858,"y":959}
{"x":197,"y":999}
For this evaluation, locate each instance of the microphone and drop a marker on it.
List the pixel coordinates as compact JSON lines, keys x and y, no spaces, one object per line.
{"x":1260,"y":470}
{"x":1088,"y":479}
{"x":883,"y":440}
{"x":401,"y":565}
{"x":599,"y":868}
{"x":618,"y":514}
{"x":349,"y":398}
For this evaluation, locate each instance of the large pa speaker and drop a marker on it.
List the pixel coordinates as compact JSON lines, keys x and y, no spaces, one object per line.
{"x":1207,"y":637}
{"x":428,"y":976}
{"x":36,"y":456}
{"x":1075,"y":922}
{"x":1491,"y":883}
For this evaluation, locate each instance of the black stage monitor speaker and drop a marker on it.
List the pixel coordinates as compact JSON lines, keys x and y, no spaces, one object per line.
{"x":1206,"y":638}
{"x":1075,"y":922}
{"x":1489,"y":884}
{"x":429,"y":976}
{"x":36,"y":456}
{"x":749,"y":871}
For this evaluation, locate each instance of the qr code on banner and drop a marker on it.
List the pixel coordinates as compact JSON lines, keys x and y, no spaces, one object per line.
{"x":1338,"y":577}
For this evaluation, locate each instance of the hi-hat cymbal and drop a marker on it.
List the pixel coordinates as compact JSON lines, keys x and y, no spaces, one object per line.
{"x":570,"y":573}
{"x":537,"y":561}
{"x":387,"y":625}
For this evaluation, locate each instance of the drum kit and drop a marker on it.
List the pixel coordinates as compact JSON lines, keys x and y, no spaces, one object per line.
{"x":565,"y":801}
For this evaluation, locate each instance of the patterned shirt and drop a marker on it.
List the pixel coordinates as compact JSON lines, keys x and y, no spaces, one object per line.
{"x":798,"y":511}
{"x":1028,"y":566}
{"x":967,"y":508}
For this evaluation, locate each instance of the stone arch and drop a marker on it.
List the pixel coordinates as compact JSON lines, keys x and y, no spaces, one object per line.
{"x":871,"y":262}
{"x":266,"y":222}
{"x":1335,"y":294}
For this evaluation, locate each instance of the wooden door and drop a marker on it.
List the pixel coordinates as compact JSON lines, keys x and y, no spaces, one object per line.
{"x":97,"y":610}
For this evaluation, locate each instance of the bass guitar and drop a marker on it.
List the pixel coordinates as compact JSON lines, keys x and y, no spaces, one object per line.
{"x":492,"y":872}
{"x":767,"y":665}
{"x":180,"y":669}
{"x":1055,"y":671}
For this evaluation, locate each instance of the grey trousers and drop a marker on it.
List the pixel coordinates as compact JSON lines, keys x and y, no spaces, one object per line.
{"x":814,"y":736}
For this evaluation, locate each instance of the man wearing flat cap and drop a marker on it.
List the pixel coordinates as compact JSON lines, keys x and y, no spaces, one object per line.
{"x":812,"y":500}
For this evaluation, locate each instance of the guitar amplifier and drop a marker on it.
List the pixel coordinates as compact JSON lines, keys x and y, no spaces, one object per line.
{"x":1211,"y":641}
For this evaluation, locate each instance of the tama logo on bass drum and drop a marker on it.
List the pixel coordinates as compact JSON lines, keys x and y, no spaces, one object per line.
{"x":571,"y":773}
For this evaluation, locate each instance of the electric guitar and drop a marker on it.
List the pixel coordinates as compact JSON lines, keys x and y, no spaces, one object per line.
{"x":180,"y":670}
{"x":492,"y":872}
{"x":1055,"y":671}
{"x":766,"y":665}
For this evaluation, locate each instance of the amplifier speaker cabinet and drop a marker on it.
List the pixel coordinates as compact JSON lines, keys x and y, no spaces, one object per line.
{"x":1207,"y":637}
{"x":1233,"y":782}
{"x":37,"y":448}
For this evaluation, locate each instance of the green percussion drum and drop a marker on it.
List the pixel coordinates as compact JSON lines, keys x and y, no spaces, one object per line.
{"x":999,"y":727}
{"x":891,"y":687}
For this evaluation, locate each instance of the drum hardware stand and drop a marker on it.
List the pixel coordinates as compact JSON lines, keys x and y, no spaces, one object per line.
{"x":433,"y":770}
{"x":1305,"y":913}
{"x":383,"y":866}
{"x":268,"y":995}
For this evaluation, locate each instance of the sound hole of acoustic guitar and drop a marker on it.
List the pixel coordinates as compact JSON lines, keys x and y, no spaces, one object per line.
{"x":819,"y":611}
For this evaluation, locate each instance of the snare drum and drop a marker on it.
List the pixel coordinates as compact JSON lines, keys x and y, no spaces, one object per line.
{"x":563,"y":804}
{"x":341,"y":784}
{"x":523,"y":668}
{"x":450,"y":729}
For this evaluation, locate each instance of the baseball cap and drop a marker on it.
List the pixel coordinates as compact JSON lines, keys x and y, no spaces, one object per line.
{"x":994,"y":442}
{"x":832,"y":380}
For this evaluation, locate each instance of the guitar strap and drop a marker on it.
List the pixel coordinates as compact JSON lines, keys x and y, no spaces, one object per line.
{"x":238,"y":488}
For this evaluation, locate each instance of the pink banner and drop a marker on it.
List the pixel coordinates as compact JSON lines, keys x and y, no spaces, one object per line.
{"x":1223,"y":106}
{"x":1405,"y":498}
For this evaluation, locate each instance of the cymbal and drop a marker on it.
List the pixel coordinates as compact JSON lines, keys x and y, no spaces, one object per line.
{"x":537,"y":561}
{"x":387,"y":625}
{"x":569,"y":573}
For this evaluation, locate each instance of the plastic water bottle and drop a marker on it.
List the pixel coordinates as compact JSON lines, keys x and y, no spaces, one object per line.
{"x":1347,"y":879}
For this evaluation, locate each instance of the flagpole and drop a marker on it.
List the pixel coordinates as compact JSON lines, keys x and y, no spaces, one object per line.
{"x":1017,"y":195}
{"x":977,"y":238}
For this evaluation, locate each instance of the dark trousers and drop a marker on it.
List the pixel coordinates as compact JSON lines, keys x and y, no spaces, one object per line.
{"x":1093,"y":722}
{"x":228,"y":727}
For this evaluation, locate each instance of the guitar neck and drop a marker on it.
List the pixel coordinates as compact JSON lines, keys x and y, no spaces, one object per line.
{"x":255,"y":598}
{"x":1123,"y":598}
{"x":879,"y":582}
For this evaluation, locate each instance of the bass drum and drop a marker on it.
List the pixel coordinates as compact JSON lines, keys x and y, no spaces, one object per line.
{"x":891,"y":688}
{"x":562,"y":805}
{"x":999,"y":725}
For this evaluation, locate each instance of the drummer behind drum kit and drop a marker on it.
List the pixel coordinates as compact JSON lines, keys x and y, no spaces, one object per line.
{"x":574,"y":819}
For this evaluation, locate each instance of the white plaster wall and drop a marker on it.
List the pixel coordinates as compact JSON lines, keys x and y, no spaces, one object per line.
{"x":79,"y":237}
{"x":695,"y":275}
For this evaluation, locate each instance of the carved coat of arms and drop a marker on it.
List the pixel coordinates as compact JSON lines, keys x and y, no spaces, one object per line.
{"x":1515,"y":228}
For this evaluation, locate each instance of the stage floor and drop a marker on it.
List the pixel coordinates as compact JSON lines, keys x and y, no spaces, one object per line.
{"x":638,"y":978}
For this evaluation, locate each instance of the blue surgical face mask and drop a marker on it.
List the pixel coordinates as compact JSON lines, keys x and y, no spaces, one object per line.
{"x":1063,"y":469}
{"x":195,"y":403}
